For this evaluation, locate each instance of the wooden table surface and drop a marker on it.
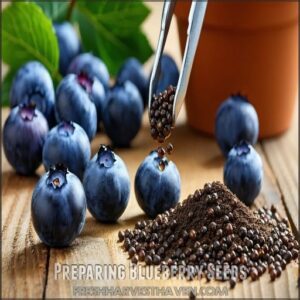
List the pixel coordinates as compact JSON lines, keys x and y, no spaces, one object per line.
{"x":28,"y":265}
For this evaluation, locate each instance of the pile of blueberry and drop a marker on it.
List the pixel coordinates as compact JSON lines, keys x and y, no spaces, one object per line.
{"x":236,"y":130}
{"x":59,"y":200}
{"x":55,"y":127}
{"x":84,"y":96}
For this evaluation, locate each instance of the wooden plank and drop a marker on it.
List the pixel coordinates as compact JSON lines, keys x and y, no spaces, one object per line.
{"x":198,"y":159}
{"x":24,"y":257}
{"x":282,"y":155}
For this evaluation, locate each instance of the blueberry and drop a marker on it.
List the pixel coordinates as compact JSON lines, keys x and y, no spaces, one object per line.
{"x":58,"y":207}
{"x":33,"y":83}
{"x":96,"y":92}
{"x":24,"y":134}
{"x":132,"y":70}
{"x":236,"y":120}
{"x":74,"y":102}
{"x":69,"y":45}
{"x":243,"y":172}
{"x":67,"y":144}
{"x":157,"y":185}
{"x":122,"y":113}
{"x":91,"y":65}
{"x":107,"y":185}
{"x":169,"y":74}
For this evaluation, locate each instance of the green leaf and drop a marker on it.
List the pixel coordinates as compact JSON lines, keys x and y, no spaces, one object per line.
{"x":27,"y":34}
{"x":56,"y":11}
{"x":117,"y":17}
{"x":111,"y":30}
{"x":5,"y":89}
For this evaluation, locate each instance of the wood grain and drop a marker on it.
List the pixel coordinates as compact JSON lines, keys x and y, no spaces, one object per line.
{"x":282,"y":154}
{"x":24,"y":257}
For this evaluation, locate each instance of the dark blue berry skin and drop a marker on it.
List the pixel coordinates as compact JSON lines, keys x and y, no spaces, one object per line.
{"x":97,"y":94}
{"x":157,"y":189}
{"x":107,"y":186}
{"x":123,"y":111}
{"x":74,"y":103}
{"x":58,"y":208}
{"x":236,"y":120}
{"x":33,"y":83}
{"x":24,"y":134}
{"x":243,"y":172}
{"x":91,"y":65}
{"x":169,"y":74}
{"x":132,"y":70}
{"x":69,"y":45}
{"x":67,"y":144}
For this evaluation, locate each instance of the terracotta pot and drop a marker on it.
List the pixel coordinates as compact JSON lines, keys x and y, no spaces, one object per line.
{"x":247,"y":47}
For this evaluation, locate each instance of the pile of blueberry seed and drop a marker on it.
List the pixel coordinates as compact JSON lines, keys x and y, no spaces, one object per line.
{"x":213,"y":226}
{"x":161,"y":114}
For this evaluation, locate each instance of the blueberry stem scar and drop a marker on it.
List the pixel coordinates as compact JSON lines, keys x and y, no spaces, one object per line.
{"x":56,"y":182}
{"x":106,"y":157}
{"x":27,"y":111}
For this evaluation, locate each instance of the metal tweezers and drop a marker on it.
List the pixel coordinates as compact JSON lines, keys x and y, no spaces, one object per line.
{"x":195,"y":20}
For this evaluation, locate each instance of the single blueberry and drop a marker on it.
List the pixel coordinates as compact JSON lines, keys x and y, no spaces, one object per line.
{"x":122,"y":114}
{"x":157,"y":185}
{"x":24,"y":134}
{"x":33,"y":83}
{"x":58,"y":207}
{"x":168,"y":74}
{"x":69,"y":45}
{"x":107,"y":186}
{"x":74,"y":102}
{"x":132,"y":70}
{"x":243,"y":172}
{"x":67,"y":144}
{"x":236,"y":120}
{"x":93,"y":66}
